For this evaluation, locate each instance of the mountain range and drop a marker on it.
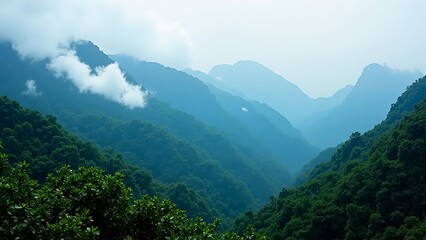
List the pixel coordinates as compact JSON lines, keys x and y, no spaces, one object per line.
{"x":324,"y":122}
{"x":371,"y":188}
{"x":252,"y":80}
{"x":207,"y":160}
{"x":219,"y":145}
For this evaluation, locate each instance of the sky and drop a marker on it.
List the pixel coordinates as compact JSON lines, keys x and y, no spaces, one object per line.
{"x":320,"y":45}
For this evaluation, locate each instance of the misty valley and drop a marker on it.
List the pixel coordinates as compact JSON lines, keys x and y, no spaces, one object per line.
{"x":97,"y":146}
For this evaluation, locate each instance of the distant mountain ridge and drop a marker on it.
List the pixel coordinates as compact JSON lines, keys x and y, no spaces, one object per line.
{"x":252,"y":80}
{"x":235,"y":117}
{"x":265,"y":124}
{"x":373,"y":187}
{"x":368,"y":103}
{"x":58,"y":96}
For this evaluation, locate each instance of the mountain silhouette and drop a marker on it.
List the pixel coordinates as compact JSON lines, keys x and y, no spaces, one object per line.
{"x":254,"y":81}
{"x":367,"y":104}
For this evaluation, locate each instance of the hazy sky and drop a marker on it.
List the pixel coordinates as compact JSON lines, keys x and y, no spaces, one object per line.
{"x":319,"y":45}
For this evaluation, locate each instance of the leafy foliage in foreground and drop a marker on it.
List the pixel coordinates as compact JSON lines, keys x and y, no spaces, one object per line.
{"x":86,"y":204}
{"x":371,"y":189}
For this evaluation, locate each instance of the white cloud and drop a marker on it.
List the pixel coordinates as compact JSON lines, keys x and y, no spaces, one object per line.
{"x":244,"y":109}
{"x":44,"y":29}
{"x":41,"y":28}
{"x":31,"y":88}
{"x":107,"y":81}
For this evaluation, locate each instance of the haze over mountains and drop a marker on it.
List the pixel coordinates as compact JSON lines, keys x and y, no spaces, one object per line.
{"x":222,"y":142}
{"x":367,"y":104}
{"x":257,"y":82}
{"x":212,"y":120}
{"x":253,"y":107}
{"x":325,"y":122}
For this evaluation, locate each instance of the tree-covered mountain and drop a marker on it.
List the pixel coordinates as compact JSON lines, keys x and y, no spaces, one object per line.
{"x":271,"y":114}
{"x":171,"y":160}
{"x":293,"y":151}
{"x":405,"y":104}
{"x":43,"y":144}
{"x":376,"y":89}
{"x":372,"y":188}
{"x":33,"y":85}
{"x":324,"y":156}
{"x":192,"y":96}
{"x":267,"y":125}
{"x":251,"y":80}
{"x":84,"y":197}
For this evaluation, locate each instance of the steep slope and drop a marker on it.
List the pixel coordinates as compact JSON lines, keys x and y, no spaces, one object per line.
{"x":43,"y":143}
{"x":271,"y":114}
{"x":373,"y":188}
{"x":322,"y":157}
{"x":58,"y":95}
{"x":292,"y":151}
{"x":86,"y":203}
{"x":376,"y":89}
{"x":189,"y":95}
{"x":168,"y":159}
{"x":405,"y":104}
{"x":256,"y":82}
{"x":267,"y":125}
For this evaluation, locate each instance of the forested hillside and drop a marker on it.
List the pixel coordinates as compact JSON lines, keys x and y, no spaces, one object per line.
{"x":212,"y":151}
{"x":171,"y":160}
{"x":373,"y":187}
{"x":58,"y":190}
{"x":41,"y":142}
{"x":268,"y":126}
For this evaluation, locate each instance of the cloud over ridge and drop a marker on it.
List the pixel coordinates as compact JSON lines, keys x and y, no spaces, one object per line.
{"x":40,"y":28}
{"x":45,"y":29}
{"x":107,"y":81}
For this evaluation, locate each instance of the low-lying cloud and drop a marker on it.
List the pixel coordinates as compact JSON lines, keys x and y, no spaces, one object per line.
{"x":107,"y":81}
{"x":31,"y":88}
{"x":41,"y":28}
{"x":45,"y":29}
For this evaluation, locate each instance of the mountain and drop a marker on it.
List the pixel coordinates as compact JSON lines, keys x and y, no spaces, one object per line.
{"x":267,"y":125}
{"x":372,"y":188}
{"x":367,"y":104}
{"x":322,"y":157}
{"x":55,"y":186}
{"x":257,"y":82}
{"x":33,"y":85}
{"x":46,"y":146}
{"x":404,"y":105}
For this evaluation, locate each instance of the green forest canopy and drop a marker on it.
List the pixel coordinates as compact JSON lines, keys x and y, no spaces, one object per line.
{"x":373,"y":187}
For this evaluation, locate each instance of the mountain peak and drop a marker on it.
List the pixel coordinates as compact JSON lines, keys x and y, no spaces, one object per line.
{"x":248,"y":63}
{"x":378,"y":75}
{"x":375,"y":66}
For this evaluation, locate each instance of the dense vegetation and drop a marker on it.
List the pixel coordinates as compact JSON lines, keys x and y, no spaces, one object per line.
{"x":86,"y":204}
{"x":250,"y":129}
{"x":226,"y":165}
{"x":46,"y":146}
{"x":324,"y":156}
{"x":373,"y":187}
{"x":168,"y":159}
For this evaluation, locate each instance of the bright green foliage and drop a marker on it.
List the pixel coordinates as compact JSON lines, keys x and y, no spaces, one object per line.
{"x":373,"y":187}
{"x":86,"y":204}
{"x":46,"y":146}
